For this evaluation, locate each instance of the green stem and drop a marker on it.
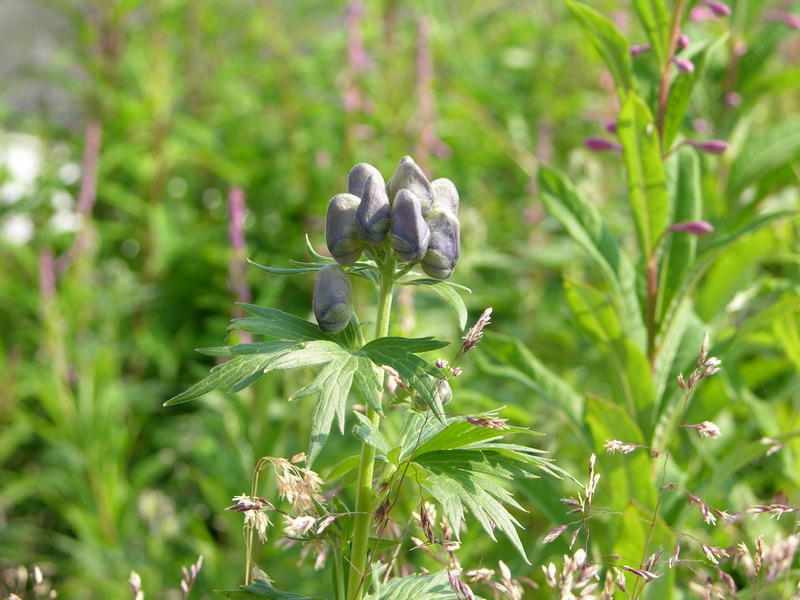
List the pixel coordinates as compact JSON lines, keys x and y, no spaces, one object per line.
{"x":365,"y":495}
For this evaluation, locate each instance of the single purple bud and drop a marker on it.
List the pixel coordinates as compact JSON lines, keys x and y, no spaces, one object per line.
{"x":784,"y":17}
{"x":700,"y":125}
{"x":597,"y":144}
{"x":700,"y":14}
{"x":611,"y":128}
{"x":733,"y":99}
{"x":409,"y":231}
{"x":374,"y":213}
{"x":684,"y":66}
{"x":711,"y":146}
{"x":358,"y":177}
{"x":683,"y":41}
{"x":333,"y":299}
{"x":445,"y":195}
{"x":720,"y":9}
{"x":638,"y":49}
{"x":409,"y":176}
{"x":341,"y":234}
{"x":740,"y":48}
{"x":444,"y":247}
{"x":693,"y":227}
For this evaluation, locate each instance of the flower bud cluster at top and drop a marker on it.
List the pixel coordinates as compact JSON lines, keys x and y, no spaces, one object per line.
{"x":418,"y":218}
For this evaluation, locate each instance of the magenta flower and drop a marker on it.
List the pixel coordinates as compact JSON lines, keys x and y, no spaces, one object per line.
{"x":711,"y":146}
{"x":784,"y":17}
{"x":720,"y":9}
{"x":684,"y":66}
{"x":638,"y":49}
{"x":693,"y":227}
{"x":683,"y":41}
{"x":597,"y":144}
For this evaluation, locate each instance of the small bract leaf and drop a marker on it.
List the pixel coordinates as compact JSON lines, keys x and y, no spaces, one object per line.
{"x":333,"y":299}
{"x":341,"y":234}
{"x":410,"y":232}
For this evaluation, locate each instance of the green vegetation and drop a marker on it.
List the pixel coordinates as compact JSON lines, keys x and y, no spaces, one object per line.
{"x":148,"y":149}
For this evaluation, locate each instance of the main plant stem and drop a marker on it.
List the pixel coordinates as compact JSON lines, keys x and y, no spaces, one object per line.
{"x":364,"y":494}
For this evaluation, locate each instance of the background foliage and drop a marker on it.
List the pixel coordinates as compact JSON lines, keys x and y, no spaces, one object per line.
{"x":142,"y":117}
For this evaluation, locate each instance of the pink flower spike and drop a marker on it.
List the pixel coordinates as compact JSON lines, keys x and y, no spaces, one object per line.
{"x":720,"y":9}
{"x":784,"y":17}
{"x":597,"y":144}
{"x":684,"y":66}
{"x":711,"y":146}
{"x":637,"y":49}
{"x":693,"y":227}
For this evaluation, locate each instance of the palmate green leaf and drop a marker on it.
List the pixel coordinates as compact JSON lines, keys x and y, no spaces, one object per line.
{"x":656,"y":23}
{"x":609,"y":43}
{"x":644,"y":169}
{"x":418,"y":374}
{"x":449,"y":293}
{"x":262,"y":589}
{"x":418,"y":587}
{"x":459,"y":464}
{"x":278,"y":324}
{"x":764,"y":153}
{"x":586,"y":227}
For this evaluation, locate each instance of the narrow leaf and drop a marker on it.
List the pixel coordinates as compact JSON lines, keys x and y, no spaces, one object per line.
{"x":647,"y":188}
{"x":370,"y":434}
{"x":609,"y":43}
{"x":279,"y":324}
{"x":262,"y":589}
{"x":223,"y":375}
{"x":656,"y":23}
{"x":448,"y":292}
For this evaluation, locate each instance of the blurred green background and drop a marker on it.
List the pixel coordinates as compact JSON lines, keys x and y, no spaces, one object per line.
{"x":125,"y":126}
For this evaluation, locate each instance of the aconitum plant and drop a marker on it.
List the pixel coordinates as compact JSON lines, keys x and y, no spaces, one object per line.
{"x":383,"y":234}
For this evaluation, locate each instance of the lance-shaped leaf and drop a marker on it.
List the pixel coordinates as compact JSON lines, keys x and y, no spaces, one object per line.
{"x":609,"y":43}
{"x":647,"y":188}
{"x":449,"y":293}
{"x":341,"y":234}
{"x":410,"y":232}
{"x":260,"y":590}
{"x":655,"y":19}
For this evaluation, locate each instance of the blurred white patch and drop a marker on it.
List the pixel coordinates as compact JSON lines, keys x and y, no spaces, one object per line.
{"x":17,"y":229}
{"x":69,"y":173}
{"x":21,"y":156}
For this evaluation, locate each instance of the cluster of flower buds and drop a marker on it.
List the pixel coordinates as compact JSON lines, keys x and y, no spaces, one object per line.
{"x":418,"y":218}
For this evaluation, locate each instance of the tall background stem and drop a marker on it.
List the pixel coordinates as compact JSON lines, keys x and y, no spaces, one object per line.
{"x":364,"y":494}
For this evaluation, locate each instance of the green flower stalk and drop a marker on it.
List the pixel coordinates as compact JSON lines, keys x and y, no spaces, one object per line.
{"x":333,"y":299}
{"x":341,"y":234}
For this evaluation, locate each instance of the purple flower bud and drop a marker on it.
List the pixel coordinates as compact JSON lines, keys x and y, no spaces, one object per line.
{"x":700,"y":14}
{"x":444,"y":247}
{"x":409,"y":176}
{"x":711,"y":146}
{"x":373,"y":214}
{"x":445,"y":195}
{"x":611,"y":128}
{"x":358,"y":177}
{"x":341,"y":234}
{"x":683,"y":41}
{"x":684,"y":66}
{"x":720,"y":9}
{"x":733,"y":99}
{"x":637,"y":49}
{"x":693,"y":227}
{"x":597,"y":144}
{"x":333,"y":299}
{"x":784,"y":17}
{"x":409,"y":232}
